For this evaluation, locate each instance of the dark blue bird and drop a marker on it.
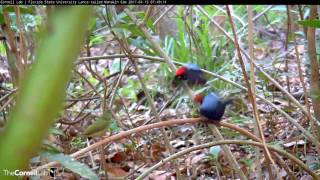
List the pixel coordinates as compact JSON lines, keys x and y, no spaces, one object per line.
{"x":212,"y":106}
{"x":191,"y":73}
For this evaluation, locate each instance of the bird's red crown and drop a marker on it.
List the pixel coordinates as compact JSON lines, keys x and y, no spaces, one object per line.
{"x":180,"y":71}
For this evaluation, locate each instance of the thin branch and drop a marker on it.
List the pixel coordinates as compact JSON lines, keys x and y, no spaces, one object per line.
{"x":305,"y":29}
{"x":148,"y":13}
{"x":118,"y":83}
{"x":252,"y":77}
{"x":254,"y":19}
{"x":243,"y":24}
{"x":6,"y":104}
{"x":89,"y":83}
{"x":77,"y":119}
{"x":162,"y":15}
{"x":11,"y":49}
{"x":312,"y":52}
{"x":249,"y":87}
{"x":288,"y":33}
{"x":23,"y":50}
{"x":8,"y":95}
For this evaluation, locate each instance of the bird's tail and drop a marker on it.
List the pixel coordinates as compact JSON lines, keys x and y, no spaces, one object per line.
{"x":198,"y":82}
{"x":202,"y":81}
{"x":228,"y":101}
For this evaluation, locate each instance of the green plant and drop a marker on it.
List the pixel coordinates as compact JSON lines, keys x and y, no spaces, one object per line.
{"x":36,"y":108}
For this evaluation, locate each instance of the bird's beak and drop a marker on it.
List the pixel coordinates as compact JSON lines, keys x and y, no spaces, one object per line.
{"x":177,"y":77}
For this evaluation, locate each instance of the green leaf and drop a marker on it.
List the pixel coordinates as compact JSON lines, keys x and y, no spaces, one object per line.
{"x":116,"y":66}
{"x":310,"y":23}
{"x":214,"y":151}
{"x":114,"y":127}
{"x":128,"y":93}
{"x":1,"y":18}
{"x":92,"y":80}
{"x":77,"y":143}
{"x":149,"y":22}
{"x":247,"y":162}
{"x":142,"y":44}
{"x":96,"y":39}
{"x":71,"y":164}
{"x":129,"y":27}
{"x":48,"y":146}
{"x":56,"y":131}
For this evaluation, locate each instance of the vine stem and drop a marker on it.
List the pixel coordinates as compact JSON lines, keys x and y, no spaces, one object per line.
{"x":251,"y":94}
{"x":146,"y":127}
{"x":253,"y":88}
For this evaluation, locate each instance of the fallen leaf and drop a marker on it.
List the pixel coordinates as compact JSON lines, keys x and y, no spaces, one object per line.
{"x":155,"y":150}
{"x":117,"y":157}
{"x":115,"y":171}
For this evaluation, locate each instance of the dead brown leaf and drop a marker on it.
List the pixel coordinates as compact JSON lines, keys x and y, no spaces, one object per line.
{"x":155,"y":151}
{"x":118,"y":157}
{"x":115,"y":171}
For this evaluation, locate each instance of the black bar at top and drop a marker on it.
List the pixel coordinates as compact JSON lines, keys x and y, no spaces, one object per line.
{"x":151,"y":2}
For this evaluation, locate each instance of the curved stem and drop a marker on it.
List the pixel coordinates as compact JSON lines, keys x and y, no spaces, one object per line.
{"x":139,"y":129}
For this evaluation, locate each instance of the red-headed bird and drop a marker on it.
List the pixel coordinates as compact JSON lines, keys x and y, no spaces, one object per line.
{"x":212,"y":106}
{"x":191,"y":73}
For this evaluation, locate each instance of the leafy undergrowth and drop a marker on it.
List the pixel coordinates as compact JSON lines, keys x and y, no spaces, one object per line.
{"x":93,"y":87}
{"x":132,"y":156}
